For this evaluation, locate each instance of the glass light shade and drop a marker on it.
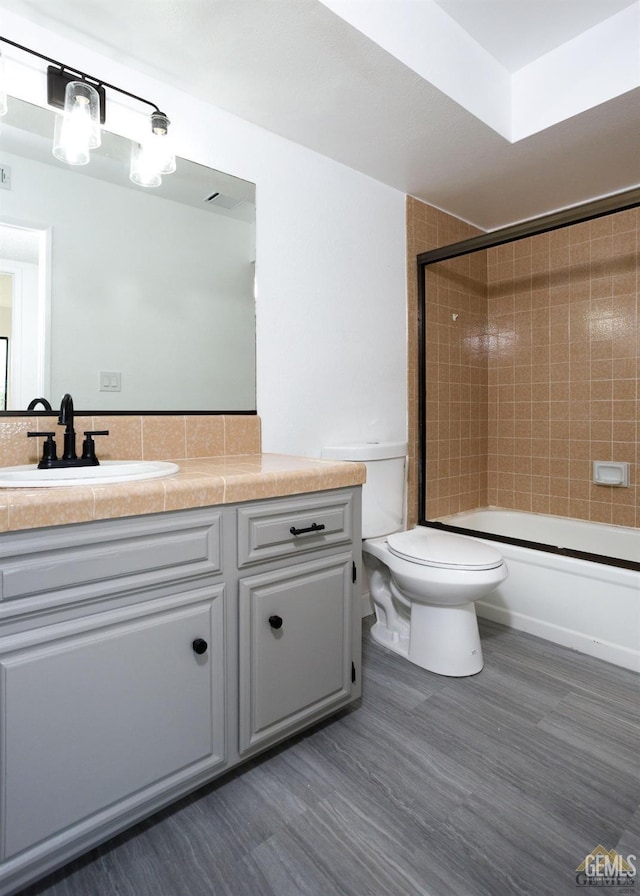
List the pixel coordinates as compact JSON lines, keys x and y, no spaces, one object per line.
{"x":159,"y":144}
{"x":77,"y":130}
{"x":143,"y":170}
{"x":160,"y":152}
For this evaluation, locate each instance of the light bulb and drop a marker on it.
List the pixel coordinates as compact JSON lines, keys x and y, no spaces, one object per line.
{"x":77,"y":130}
{"x":143,"y":170}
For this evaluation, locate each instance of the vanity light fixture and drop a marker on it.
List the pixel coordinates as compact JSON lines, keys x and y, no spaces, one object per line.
{"x":77,"y":130}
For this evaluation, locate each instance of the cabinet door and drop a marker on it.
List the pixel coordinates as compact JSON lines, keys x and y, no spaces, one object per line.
{"x":104,"y":714}
{"x":295,"y":647}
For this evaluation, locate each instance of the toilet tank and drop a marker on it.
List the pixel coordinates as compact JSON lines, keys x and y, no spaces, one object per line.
{"x":383,"y":492}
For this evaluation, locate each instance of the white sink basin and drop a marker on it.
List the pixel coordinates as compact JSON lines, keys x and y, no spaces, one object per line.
{"x":109,"y":471}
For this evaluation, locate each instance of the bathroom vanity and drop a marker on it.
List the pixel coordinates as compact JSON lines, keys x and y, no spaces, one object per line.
{"x":143,"y":656}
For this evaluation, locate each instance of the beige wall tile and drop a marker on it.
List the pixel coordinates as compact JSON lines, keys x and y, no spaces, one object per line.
{"x":242,"y":434}
{"x":124,"y":441}
{"x":205,"y":435}
{"x":163,"y":437}
{"x":16,"y":448}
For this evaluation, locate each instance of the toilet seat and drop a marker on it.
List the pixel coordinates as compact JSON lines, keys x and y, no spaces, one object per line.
{"x":445,"y":550}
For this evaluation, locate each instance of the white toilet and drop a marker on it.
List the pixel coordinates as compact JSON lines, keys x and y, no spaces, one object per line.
{"x":423,"y":582}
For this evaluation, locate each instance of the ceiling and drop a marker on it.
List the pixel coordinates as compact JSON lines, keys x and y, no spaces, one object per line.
{"x":305,"y":71}
{"x":517,"y":32}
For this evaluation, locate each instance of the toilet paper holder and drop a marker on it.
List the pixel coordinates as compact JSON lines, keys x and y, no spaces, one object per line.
{"x":608,"y":472}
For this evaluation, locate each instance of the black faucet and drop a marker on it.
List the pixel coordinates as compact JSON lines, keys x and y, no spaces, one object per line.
{"x":36,"y":401}
{"x":69,"y":457}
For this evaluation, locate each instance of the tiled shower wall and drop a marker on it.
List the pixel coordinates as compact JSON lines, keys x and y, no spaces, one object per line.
{"x":532,"y":369}
{"x":563,"y":355}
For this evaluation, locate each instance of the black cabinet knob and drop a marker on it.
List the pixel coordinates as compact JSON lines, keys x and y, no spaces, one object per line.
{"x":275,"y":621}
{"x":199,"y":646}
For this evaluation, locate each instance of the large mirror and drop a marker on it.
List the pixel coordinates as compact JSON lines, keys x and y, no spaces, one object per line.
{"x":130,"y":298}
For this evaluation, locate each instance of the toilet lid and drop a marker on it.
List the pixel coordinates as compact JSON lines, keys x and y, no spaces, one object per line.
{"x":432,"y":547}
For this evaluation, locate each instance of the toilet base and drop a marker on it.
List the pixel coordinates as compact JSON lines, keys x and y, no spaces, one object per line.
{"x":392,"y":640}
{"x":444,"y":640}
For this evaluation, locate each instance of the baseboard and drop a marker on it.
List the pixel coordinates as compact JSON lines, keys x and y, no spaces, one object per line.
{"x":602,"y":650}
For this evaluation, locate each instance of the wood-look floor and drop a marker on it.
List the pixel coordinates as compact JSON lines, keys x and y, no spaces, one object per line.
{"x":498,"y":784}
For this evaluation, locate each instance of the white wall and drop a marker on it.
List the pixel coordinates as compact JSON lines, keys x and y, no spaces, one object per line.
{"x":331,"y":312}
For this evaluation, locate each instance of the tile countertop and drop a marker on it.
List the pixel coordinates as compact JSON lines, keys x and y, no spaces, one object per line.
{"x":200,"y":482}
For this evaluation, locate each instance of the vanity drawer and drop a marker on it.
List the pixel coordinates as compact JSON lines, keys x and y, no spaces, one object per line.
{"x":84,"y":562}
{"x":274,"y":529}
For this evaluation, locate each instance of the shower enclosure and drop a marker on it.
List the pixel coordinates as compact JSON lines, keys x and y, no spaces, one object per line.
{"x":527,"y":367}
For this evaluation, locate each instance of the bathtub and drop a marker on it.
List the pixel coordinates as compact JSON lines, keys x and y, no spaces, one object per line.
{"x":573,"y":582}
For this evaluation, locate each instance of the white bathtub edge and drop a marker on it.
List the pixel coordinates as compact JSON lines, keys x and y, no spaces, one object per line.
{"x":603,"y":650}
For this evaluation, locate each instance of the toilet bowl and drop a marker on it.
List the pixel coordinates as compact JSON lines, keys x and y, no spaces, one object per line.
{"x":423,"y":582}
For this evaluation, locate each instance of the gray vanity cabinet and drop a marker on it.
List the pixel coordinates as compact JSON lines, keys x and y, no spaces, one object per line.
{"x":298,"y":620}
{"x":142,"y":657}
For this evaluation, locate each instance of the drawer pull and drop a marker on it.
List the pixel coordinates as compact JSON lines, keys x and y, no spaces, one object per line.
{"x":275,"y":621}
{"x":314,"y":527}
{"x":199,"y":646}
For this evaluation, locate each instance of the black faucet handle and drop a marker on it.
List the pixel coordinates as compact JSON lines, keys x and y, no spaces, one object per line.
{"x":49,"y":447}
{"x":89,"y":446}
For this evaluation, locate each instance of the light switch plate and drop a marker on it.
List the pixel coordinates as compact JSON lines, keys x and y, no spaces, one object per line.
{"x":110,"y":381}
